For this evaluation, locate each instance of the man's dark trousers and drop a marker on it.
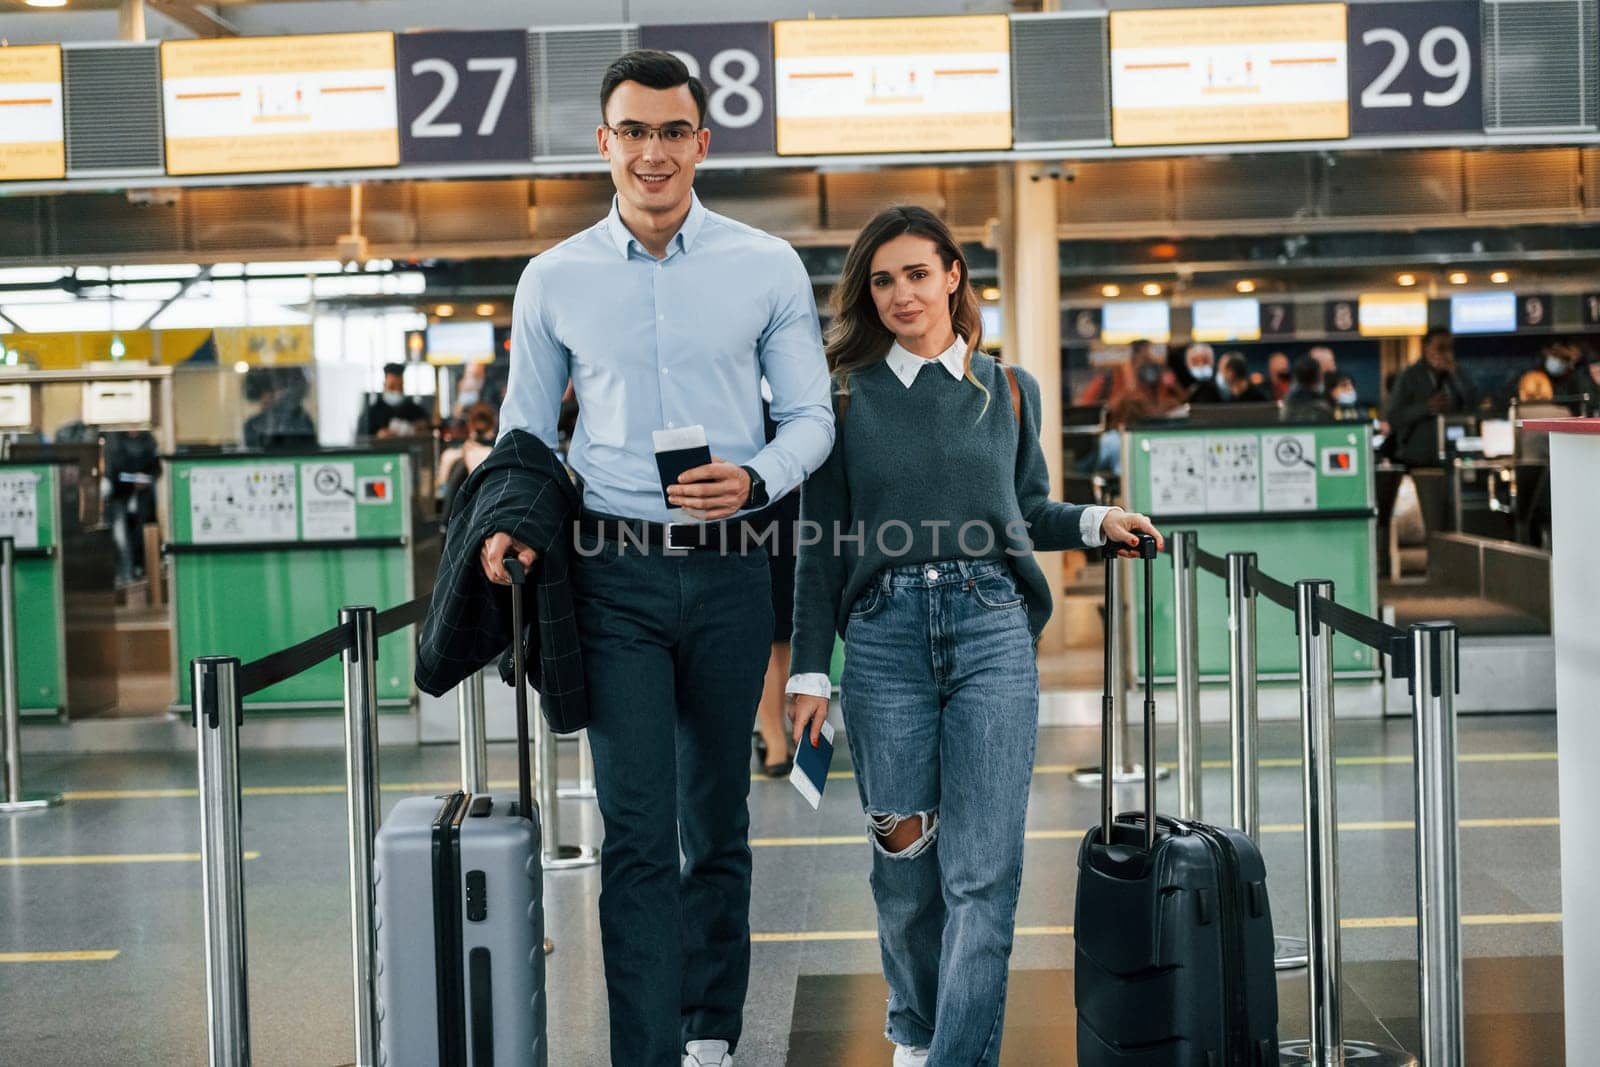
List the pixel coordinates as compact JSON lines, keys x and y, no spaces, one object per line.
{"x":675,"y":648}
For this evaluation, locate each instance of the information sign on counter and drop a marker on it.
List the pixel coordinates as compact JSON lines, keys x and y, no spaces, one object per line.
{"x":464,"y":96}
{"x":1177,"y":476}
{"x":1289,"y":472}
{"x":1233,"y":474}
{"x":19,"y":508}
{"x":253,"y":104}
{"x":1392,"y":314}
{"x":1222,"y":75}
{"x":234,"y":505}
{"x":893,"y":84}
{"x":1218,"y":475}
{"x":328,"y":501}
{"x":734,"y":62}
{"x":32,"y":133}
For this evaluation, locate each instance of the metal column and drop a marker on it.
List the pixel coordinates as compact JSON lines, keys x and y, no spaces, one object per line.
{"x":1433,"y":688}
{"x":13,"y":800}
{"x":557,"y":856}
{"x":218,"y":712}
{"x":474,"y":737}
{"x":1326,"y":1046}
{"x":1186,"y":632}
{"x":361,"y":789}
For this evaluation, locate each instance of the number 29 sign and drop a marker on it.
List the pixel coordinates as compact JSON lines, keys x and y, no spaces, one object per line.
{"x":1415,"y":68}
{"x":734,"y":62}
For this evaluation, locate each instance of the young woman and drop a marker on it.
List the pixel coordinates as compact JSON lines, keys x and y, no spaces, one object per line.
{"x":929,"y":506}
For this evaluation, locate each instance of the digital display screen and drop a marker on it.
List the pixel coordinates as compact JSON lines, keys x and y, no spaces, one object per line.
{"x":460,"y":342}
{"x":32,"y":142}
{"x":253,"y":104}
{"x":1224,"y":75}
{"x":939,"y":84}
{"x":1392,"y":315}
{"x":1232,"y":319}
{"x":1483,"y":312}
{"x":1127,"y":321}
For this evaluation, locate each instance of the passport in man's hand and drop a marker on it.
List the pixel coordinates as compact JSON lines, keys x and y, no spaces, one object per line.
{"x":678,"y":451}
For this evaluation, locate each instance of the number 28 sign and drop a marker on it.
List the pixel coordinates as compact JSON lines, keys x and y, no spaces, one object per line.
{"x":1414,"y":68}
{"x":733,"y":60}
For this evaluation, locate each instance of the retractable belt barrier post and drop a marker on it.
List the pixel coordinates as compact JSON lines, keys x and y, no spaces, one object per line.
{"x":361,"y":802}
{"x":13,"y":800}
{"x":1186,"y":631}
{"x":582,"y":787}
{"x":474,"y":739}
{"x":218,"y":713}
{"x":557,"y":856}
{"x":1433,"y":687}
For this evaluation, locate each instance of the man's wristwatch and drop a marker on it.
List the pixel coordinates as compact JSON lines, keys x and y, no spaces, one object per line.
{"x":758,"y":489}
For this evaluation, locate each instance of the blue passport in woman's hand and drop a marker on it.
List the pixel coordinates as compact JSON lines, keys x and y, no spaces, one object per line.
{"x":810,"y":774}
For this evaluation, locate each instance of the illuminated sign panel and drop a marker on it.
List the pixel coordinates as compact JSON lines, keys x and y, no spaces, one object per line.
{"x":1233,"y":319}
{"x":1393,"y":315}
{"x":257,"y":104}
{"x":1229,"y":74}
{"x":32,"y":144}
{"x":1134,"y":320}
{"x":893,"y":85}
{"x":1483,"y":312}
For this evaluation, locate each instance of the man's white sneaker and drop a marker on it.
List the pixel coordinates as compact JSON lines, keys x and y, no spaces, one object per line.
{"x":906,"y":1056}
{"x":707,"y":1054}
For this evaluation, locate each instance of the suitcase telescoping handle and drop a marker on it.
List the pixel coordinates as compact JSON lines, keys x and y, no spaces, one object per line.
{"x":1108,"y":699}
{"x":519,"y":679}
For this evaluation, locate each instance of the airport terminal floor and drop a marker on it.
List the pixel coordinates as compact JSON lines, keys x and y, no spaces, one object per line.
{"x":101,"y":893}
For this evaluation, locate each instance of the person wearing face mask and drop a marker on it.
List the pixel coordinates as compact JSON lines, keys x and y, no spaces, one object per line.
{"x":1201,"y":362}
{"x":1568,"y":372}
{"x":1233,"y":381}
{"x":394,"y":414}
{"x":1345,"y":398}
{"x":454,"y":466}
{"x":929,"y":508}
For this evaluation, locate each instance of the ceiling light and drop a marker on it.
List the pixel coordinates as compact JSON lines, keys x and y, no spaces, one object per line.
{"x":1458,"y":277}
{"x":1110,"y":291}
{"x":485,"y":310}
{"x":991,"y":294}
{"x":46,"y":3}
{"x":241,"y":367}
{"x":444,"y":311}
{"x":1406,"y":280}
{"x":1246,"y":286}
{"x":1499,"y":277}
{"x":1151,"y":289}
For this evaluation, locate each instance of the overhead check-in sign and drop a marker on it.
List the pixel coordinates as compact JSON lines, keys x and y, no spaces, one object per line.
{"x":1415,"y":68}
{"x":32,"y":143}
{"x":733,"y":60}
{"x":464,"y":96}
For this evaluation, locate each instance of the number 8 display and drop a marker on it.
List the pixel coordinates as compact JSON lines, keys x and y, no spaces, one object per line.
{"x":725,"y":86}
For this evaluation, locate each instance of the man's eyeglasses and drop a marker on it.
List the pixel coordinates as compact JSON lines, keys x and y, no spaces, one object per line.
{"x":637,"y":134}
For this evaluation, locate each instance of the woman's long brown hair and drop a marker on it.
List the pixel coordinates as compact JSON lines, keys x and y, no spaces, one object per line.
{"x":857,"y":337}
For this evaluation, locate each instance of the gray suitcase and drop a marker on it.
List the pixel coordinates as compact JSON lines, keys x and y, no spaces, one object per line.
{"x":460,"y":917}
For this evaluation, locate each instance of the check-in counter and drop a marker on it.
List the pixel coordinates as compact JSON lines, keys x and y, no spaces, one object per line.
{"x":30,"y":514}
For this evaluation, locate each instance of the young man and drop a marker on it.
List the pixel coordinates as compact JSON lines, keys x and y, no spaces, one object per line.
{"x":394,"y":413}
{"x":666,"y":316}
{"x":1431,"y":386}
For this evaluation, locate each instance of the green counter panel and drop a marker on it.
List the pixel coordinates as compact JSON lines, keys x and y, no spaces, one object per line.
{"x":41,"y":644}
{"x":278,"y":587}
{"x":1333,"y":539}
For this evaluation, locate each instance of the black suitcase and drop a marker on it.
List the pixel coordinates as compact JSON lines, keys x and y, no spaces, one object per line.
{"x":1174,"y":962}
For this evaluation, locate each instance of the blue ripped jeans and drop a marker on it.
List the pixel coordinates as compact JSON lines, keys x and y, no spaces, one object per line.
{"x":940,"y":693}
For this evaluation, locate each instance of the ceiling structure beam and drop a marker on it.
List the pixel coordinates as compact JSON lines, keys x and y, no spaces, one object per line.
{"x":199,"y":19}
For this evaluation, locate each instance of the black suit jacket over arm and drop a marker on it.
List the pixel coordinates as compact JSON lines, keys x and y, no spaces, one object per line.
{"x":521,"y":489}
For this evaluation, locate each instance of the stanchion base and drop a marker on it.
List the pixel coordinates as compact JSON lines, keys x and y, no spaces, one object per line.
{"x":1362,"y":1053}
{"x":1126,"y":776}
{"x":570,"y":857}
{"x":576,"y":792}
{"x":30,"y":802}
{"x":1289,"y":953}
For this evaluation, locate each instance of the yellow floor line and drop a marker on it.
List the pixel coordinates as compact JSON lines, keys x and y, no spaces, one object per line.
{"x":92,"y":956}
{"x":1386,"y":922}
{"x":128,"y":857}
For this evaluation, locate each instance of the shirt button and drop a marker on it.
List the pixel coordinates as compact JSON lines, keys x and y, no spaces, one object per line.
{"x":663,"y":371}
{"x":661,"y":318}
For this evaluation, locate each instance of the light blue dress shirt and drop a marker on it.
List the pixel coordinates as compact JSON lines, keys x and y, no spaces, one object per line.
{"x":653,"y":344}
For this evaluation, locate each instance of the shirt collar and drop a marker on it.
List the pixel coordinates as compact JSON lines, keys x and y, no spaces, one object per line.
{"x":906,"y":364}
{"x":623,"y":239}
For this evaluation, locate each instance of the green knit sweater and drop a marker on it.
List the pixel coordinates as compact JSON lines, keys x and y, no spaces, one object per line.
{"x":931,"y":471}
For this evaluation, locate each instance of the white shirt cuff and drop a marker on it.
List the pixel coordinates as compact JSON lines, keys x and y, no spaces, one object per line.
{"x":811,"y":685}
{"x":1089,"y":524}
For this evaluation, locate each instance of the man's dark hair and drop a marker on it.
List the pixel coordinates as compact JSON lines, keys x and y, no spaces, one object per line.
{"x":1233,"y":366}
{"x":397,"y":369}
{"x":1437,"y":331}
{"x":1307,"y":373}
{"x":653,"y":70}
